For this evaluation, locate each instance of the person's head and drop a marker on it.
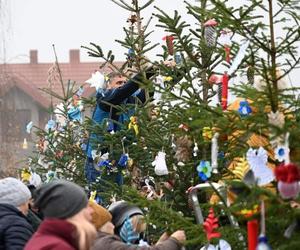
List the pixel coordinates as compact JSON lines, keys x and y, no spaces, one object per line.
{"x":15,"y":193}
{"x":127,"y":217}
{"x":115,"y":80}
{"x":101,"y":218}
{"x":67,"y":201}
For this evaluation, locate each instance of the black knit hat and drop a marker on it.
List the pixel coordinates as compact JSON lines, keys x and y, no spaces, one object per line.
{"x":120,"y":210}
{"x":60,"y":199}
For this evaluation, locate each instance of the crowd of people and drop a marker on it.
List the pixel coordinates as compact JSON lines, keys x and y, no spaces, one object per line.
{"x":58,"y":215}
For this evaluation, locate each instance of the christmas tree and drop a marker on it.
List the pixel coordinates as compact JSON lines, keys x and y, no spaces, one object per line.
{"x":190,"y":143}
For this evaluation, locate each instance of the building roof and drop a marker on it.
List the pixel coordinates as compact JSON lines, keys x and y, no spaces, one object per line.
{"x":32,"y":77}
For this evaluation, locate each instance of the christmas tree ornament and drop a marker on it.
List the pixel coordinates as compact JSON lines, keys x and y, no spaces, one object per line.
{"x":110,"y":126}
{"x":252,"y":233}
{"x":195,"y":149}
{"x":160,"y":165}
{"x":158,"y":87}
{"x":204,"y":170}
{"x":178,"y":58}
{"x":173,"y":144}
{"x":214,"y":153}
{"x":25,"y":144}
{"x":51,"y":125}
{"x":132,"y":19}
{"x":207,"y":133}
{"x":288,"y":177}
{"x":262,"y":240}
{"x":183,"y":149}
{"x":130,"y":57}
{"x":79,"y":92}
{"x":35,"y":179}
{"x":276,"y":119}
{"x":244,"y":109}
{"x":222,"y":245}
{"x":74,"y":114}
{"x":168,"y":78}
{"x":239,"y":57}
{"x":133,"y":124}
{"x":225,"y":80}
{"x":29,"y":127}
{"x":210,"y":34}
{"x":184,"y":127}
{"x":97,"y":81}
{"x":93,"y":195}
{"x":258,"y":159}
{"x":25,"y":175}
{"x":51,"y":176}
{"x":225,"y":40}
{"x":169,"y":41}
{"x":239,"y":167}
{"x":217,"y":80}
{"x":123,"y":160}
{"x":210,"y":225}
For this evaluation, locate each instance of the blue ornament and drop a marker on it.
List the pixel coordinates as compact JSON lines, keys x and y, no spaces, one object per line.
{"x":110,"y":126}
{"x":103,"y":163}
{"x":263,"y":243}
{"x":244,"y":109}
{"x":74,"y":114}
{"x":177,"y":58}
{"x":51,"y":124}
{"x":123,"y":160}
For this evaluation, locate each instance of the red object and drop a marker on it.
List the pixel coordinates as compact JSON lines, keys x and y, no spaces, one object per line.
{"x":225,"y":79}
{"x":287,"y":173}
{"x":210,"y":22}
{"x":214,"y":79}
{"x":211,"y":223}
{"x":252,"y":230}
{"x":170,"y":45}
{"x":184,"y":127}
{"x":54,"y":233}
{"x":227,"y":53}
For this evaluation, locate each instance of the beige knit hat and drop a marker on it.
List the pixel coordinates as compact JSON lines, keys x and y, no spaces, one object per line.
{"x":100,"y":215}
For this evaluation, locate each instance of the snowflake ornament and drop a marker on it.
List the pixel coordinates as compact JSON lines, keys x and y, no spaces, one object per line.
{"x":97,"y":81}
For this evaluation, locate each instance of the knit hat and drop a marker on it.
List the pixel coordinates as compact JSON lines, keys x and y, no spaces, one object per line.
{"x":100,"y":215}
{"x":120,"y":210}
{"x":13,"y":192}
{"x":60,"y":199}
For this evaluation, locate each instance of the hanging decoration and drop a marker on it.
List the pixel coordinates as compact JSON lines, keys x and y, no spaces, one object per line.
{"x":239,"y":57}
{"x":215,"y":79}
{"x":183,"y":147}
{"x":170,"y":45}
{"x":250,"y":74}
{"x":207,"y":133}
{"x":204,"y":170}
{"x":210,"y":225}
{"x":258,"y":159}
{"x":133,"y":124}
{"x":159,"y":86}
{"x":178,"y":58}
{"x":225,"y":80}
{"x":160,"y":165}
{"x":214,"y":153}
{"x":25,"y":144}
{"x":195,"y":149}
{"x":262,"y":240}
{"x":288,"y":177}
{"x":210,"y":34}
{"x":244,"y":109}
{"x":252,"y":233}
{"x":97,"y":81}
{"x":225,"y":40}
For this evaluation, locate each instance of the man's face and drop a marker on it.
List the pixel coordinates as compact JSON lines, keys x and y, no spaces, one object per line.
{"x":116,"y":82}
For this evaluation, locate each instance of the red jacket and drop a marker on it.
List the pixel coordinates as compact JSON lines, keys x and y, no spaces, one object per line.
{"x":54,"y":234}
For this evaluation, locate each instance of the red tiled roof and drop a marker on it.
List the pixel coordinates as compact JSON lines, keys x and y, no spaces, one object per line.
{"x":32,"y":77}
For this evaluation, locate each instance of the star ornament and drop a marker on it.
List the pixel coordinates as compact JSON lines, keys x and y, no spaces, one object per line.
{"x":97,"y":81}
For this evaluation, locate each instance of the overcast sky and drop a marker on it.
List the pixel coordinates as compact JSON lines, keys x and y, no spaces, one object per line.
{"x":37,"y":24}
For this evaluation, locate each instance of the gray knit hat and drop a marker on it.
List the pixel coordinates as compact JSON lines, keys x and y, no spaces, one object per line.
{"x":60,"y":199}
{"x":13,"y":192}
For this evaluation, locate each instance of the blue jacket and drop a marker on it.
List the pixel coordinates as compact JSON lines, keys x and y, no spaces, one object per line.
{"x":15,"y":230}
{"x":126,"y":94}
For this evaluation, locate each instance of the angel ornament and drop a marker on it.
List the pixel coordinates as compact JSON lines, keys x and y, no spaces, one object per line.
{"x":160,"y":166}
{"x":257,"y":159}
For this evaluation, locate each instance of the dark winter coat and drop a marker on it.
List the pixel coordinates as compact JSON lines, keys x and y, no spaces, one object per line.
{"x":106,"y":241}
{"x":54,"y":234}
{"x":129,"y":93}
{"x":15,"y":230}
{"x":33,"y":219}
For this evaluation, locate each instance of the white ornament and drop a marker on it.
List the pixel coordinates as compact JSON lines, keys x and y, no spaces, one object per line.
{"x":214,"y":153}
{"x":159,"y":80}
{"x":97,"y":81}
{"x":160,"y":164}
{"x":195,"y":149}
{"x":35,"y":179}
{"x":257,"y":159}
{"x":223,"y":245}
{"x":239,"y":57}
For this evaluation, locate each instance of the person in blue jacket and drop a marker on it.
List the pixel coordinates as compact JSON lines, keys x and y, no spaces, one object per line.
{"x":118,"y":92}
